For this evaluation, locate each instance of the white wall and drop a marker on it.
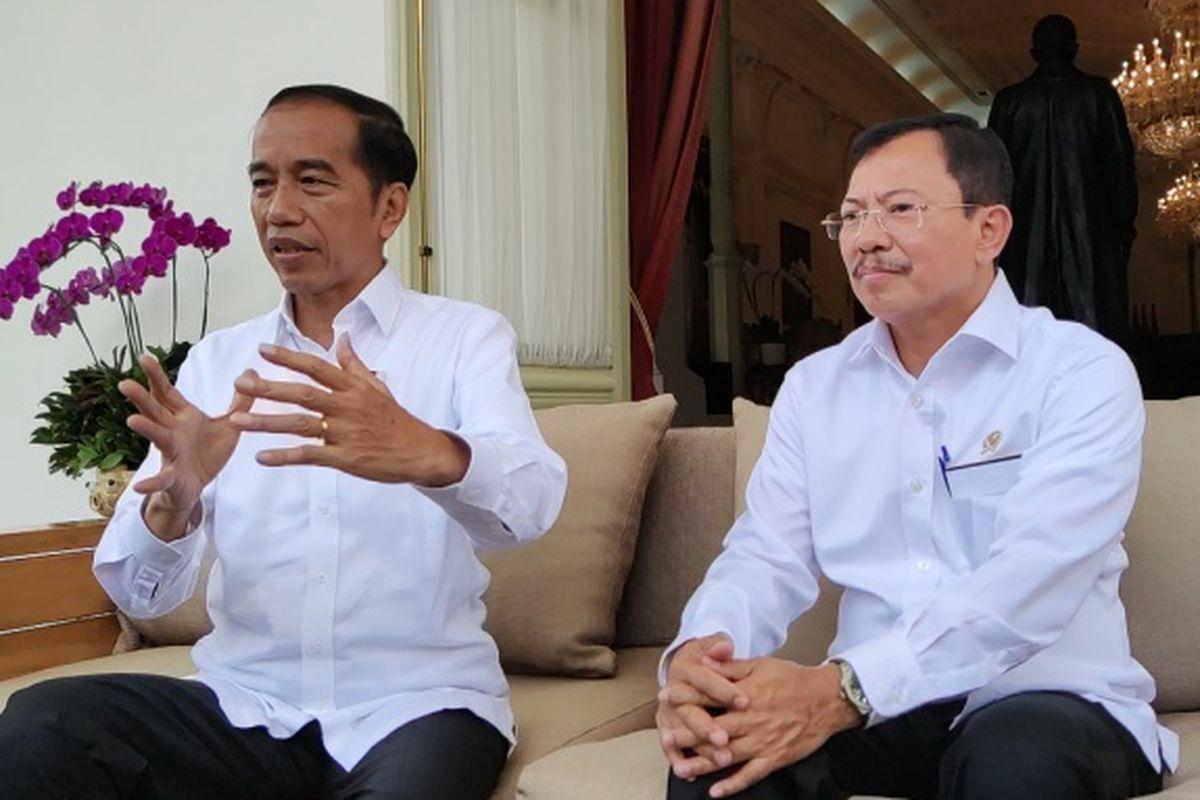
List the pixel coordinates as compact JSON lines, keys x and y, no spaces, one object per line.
{"x":148,"y":91}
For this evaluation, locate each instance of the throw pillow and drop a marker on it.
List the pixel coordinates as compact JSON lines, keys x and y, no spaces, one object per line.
{"x":749,"y":436}
{"x":552,"y":604}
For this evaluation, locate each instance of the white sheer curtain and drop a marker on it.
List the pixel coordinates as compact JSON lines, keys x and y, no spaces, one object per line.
{"x":518,"y":168}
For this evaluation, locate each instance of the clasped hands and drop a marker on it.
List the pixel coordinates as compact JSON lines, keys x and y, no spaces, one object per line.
{"x":716,"y":711}
{"x":359,"y":427}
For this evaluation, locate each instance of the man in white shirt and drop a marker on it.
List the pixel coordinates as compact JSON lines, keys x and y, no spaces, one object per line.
{"x":962,"y":467}
{"x":344,"y":455}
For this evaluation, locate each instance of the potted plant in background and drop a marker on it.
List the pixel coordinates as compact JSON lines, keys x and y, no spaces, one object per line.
{"x":766,"y":335}
{"x":84,"y":422}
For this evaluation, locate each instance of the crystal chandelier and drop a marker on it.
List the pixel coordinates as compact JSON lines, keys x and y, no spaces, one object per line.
{"x":1179,"y":208}
{"x":1161,"y":89}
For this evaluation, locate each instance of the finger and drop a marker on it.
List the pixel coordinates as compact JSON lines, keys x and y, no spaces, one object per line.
{"x":241,"y":402}
{"x":678,"y":736}
{"x":695,"y":766}
{"x":750,"y":773}
{"x":300,"y":424}
{"x":674,"y":733}
{"x":143,"y":401}
{"x":351,"y":363}
{"x":312,"y":454}
{"x":701,"y":723}
{"x":318,"y":369}
{"x":161,"y":482}
{"x":735,"y":670}
{"x":160,"y":384}
{"x":678,"y":694}
{"x":718,"y":646}
{"x":712,"y":683}
{"x":304,"y":395}
{"x":147,"y":428}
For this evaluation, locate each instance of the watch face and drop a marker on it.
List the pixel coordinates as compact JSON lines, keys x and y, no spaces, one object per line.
{"x":852,"y":690}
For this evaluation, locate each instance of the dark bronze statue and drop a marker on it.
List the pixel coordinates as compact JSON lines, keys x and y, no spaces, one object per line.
{"x":1075,"y":197}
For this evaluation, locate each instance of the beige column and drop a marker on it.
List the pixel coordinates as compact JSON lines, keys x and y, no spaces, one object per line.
{"x":724,"y":265}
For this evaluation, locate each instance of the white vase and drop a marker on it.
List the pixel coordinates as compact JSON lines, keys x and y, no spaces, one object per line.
{"x":105,"y":488}
{"x":772,"y":353}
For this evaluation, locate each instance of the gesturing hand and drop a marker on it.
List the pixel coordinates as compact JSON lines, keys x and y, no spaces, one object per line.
{"x":194,"y":447}
{"x":363,"y":430}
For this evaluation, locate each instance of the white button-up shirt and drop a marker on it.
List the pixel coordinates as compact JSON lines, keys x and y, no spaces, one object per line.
{"x":334,"y":598}
{"x":973,"y":515}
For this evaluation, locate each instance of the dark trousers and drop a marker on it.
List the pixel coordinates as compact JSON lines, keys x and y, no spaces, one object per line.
{"x":146,"y":737}
{"x":1034,"y":746}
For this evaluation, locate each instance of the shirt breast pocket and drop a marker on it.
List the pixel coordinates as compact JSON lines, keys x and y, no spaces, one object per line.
{"x":983,"y":478}
{"x":977,"y":490}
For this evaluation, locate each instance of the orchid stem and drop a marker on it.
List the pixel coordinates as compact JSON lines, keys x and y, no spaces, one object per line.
{"x":174,"y":302}
{"x":204,"y":312}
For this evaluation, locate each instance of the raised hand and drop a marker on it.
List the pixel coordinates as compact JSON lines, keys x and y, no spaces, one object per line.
{"x":194,"y":447}
{"x":361,"y":428}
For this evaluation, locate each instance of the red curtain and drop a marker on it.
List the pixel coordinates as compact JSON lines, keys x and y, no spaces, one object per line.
{"x":668,"y":44}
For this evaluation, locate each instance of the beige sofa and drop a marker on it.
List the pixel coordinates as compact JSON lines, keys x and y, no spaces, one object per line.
{"x":593,"y":738}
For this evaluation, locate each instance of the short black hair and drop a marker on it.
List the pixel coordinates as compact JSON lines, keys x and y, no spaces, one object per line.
{"x":1054,"y":39}
{"x":975,"y":157}
{"x":384,"y":150}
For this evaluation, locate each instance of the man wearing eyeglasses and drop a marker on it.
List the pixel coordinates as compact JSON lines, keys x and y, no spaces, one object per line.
{"x":962,"y":467}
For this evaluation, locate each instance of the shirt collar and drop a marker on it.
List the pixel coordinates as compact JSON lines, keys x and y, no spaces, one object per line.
{"x":379,"y":302}
{"x":996,"y":321}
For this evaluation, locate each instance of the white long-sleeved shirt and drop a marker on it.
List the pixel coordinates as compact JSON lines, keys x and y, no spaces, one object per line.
{"x":998,"y":576}
{"x":334,"y":598}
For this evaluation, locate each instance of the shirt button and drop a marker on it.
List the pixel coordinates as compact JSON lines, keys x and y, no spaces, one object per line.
{"x":923,"y":565}
{"x":916,"y":485}
{"x":917,"y":401}
{"x":322,"y":578}
{"x":314,"y":649}
{"x":323,"y":510}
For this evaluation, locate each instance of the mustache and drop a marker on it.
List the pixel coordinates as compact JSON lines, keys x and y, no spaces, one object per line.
{"x":875,"y":263}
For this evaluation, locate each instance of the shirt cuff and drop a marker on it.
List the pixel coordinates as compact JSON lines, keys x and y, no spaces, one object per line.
{"x":156,"y":562}
{"x":154,"y":552}
{"x":480,"y":485}
{"x":889,"y":674}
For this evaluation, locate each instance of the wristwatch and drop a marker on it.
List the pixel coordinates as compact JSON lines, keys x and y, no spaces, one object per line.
{"x":852,"y":691}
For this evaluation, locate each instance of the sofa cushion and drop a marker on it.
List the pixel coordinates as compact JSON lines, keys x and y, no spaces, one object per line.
{"x":554,"y":712}
{"x":173,"y":661}
{"x":1186,"y":780}
{"x":689,"y":506}
{"x":1162,"y":603}
{"x":552,"y":604}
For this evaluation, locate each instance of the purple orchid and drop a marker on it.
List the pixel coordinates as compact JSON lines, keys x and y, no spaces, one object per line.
{"x":121,"y":278}
{"x":66,"y":198}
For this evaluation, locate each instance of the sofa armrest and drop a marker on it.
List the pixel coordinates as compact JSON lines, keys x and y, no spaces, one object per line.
{"x":52,"y":611}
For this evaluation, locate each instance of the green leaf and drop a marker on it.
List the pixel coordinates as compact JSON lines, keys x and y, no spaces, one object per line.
{"x":111,"y":461}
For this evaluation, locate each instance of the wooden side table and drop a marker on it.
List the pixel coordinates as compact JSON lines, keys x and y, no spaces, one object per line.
{"x":52,"y":611}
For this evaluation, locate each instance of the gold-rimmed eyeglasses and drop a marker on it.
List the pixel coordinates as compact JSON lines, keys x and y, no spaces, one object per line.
{"x":896,"y":218}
